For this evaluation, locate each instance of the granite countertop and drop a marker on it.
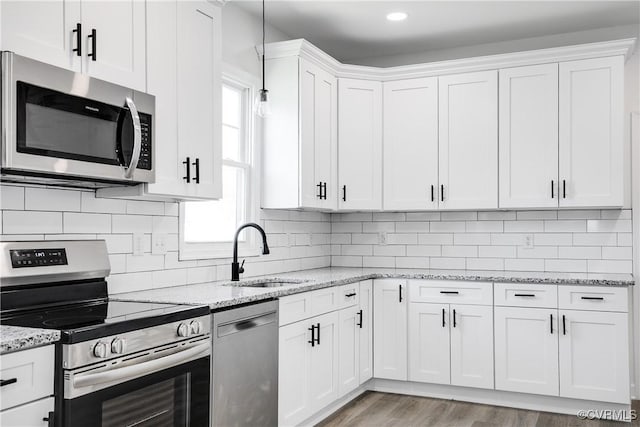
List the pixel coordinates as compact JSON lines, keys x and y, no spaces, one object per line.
{"x":16,"y":338}
{"x":219,"y":295}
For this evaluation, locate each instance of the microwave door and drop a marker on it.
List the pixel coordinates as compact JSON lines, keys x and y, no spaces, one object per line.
{"x":129,"y":139}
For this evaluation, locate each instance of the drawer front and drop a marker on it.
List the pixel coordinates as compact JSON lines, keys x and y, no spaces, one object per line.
{"x":324,"y":301}
{"x":348,"y":295}
{"x":525,"y":295}
{"x":451,"y":292}
{"x":34,"y":414}
{"x":294,"y":307}
{"x":33,"y":373}
{"x":595,"y":298}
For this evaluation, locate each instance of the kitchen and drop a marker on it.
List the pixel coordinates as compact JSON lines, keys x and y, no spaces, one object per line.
{"x":445,"y":213}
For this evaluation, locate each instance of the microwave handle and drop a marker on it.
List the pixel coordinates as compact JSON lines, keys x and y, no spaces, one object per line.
{"x":137,"y":138}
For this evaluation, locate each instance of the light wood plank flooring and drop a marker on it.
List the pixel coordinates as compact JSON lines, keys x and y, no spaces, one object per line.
{"x":384,"y":409}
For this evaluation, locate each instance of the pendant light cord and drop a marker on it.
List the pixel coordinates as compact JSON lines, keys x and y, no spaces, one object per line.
{"x":263,"y":51}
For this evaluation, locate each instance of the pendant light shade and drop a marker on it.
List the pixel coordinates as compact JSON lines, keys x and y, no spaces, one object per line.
{"x":261,"y":106}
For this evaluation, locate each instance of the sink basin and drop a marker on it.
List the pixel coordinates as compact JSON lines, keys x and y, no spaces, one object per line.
{"x":269,"y":283}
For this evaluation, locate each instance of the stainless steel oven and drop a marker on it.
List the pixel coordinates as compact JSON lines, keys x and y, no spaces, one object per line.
{"x":58,"y":123}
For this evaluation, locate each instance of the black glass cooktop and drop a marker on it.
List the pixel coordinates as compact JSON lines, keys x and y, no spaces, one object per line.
{"x":90,"y":320}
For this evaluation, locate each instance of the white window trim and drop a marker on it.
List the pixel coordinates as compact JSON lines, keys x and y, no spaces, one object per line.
{"x":252,"y":246}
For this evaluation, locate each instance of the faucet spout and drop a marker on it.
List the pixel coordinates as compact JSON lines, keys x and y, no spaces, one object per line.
{"x":236,"y":268}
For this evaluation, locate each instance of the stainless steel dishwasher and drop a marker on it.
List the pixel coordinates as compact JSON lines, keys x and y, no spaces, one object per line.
{"x":245,"y":366}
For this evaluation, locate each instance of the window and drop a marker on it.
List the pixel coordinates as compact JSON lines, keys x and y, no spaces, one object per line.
{"x":208,"y":227}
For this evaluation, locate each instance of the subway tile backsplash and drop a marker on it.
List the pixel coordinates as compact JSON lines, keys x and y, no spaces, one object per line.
{"x":597,"y":241}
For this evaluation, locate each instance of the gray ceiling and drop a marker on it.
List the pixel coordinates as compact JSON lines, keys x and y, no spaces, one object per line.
{"x":352,"y":29}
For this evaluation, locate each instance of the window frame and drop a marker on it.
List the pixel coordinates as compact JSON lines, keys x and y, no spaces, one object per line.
{"x":249,"y":132}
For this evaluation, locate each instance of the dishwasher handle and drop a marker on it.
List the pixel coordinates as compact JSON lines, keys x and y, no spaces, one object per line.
{"x":242,"y":325}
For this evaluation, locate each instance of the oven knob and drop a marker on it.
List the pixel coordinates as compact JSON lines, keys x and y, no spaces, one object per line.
{"x":196,"y":327}
{"x":100,"y":349}
{"x":183,"y":330}
{"x":118,"y":346}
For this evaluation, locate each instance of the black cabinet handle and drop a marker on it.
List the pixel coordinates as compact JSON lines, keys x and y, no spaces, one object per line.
{"x":552,"y":190}
{"x":319,"y":185}
{"x":359,"y":323}
{"x":50,"y":419}
{"x":318,"y":337}
{"x":564,"y":325}
{"x":593,"y":298}
{"x":399,"y":293}
{"x":187,"y":163}
{"x":323,"y":191}
{"x":442,"y":192}
{"x":432,"y":194}
{"x":564,"y":189}
{"x":450,"y":292}
{"x":313,"y":335}
{"x":94,"y":37}
{"x":197,"y":165}
{"x":78,"y":31}
{"x":352,"y":294}
{"x":344,"y":193}
{"x":524,"y":295}
{"x":551,"y":323}
{"x":443,"y":324}
{"x":7,"y":382}
{"x":454,"y":318}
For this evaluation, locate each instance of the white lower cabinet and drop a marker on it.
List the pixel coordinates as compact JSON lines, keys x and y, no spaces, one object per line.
{"x":323,"y":388}
{"x":35,"y":414}
{"x":390,"y":329}
{"x":594,"y":355}
{"x":348,"y":351}
{"x":429,"y":345}
{"x":526,"y":350}
{"x":366,"y":331}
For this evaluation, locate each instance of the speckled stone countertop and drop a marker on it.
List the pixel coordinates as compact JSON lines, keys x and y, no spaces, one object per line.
{"x":16,"y":338}
{"x":219,"y":294}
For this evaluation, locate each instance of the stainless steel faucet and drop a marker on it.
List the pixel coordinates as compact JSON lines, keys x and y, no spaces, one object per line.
{"x":237,"y":269}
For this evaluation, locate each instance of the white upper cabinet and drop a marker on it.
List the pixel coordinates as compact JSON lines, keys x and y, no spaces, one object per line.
{"x":359,"y":144}
{"x":114,"y":41}
{"x":468,"y":148}
{"x":591,"y":132}
{"x":529,"y":136}
{"x":411,"y":144}
{"x":300,"y":147}
{"x":390,"y":329}
{"x":43,"y":30}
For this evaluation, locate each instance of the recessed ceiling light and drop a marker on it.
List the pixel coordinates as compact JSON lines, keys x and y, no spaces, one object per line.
{"x":397,"y":16}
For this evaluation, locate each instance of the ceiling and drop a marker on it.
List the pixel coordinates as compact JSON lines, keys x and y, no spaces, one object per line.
{"x":353,"y":29}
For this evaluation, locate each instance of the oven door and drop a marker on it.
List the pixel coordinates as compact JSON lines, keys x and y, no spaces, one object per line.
{"x":157,"y":391}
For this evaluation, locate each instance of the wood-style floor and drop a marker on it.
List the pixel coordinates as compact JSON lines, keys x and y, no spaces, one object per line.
{"x":383,"y":409}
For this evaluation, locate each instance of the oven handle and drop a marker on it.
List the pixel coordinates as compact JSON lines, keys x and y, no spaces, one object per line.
{"x":135,"y":371}
{"x":137,"y":138}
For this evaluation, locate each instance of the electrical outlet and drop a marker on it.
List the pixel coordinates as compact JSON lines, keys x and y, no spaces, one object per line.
{"x":382,"y":237}
{"x":138,"y":244}
{"x":528,"y":241}
{"x":159,"y":243}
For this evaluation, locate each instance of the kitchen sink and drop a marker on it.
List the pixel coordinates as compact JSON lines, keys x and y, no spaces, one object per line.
{"x":269,"y":283}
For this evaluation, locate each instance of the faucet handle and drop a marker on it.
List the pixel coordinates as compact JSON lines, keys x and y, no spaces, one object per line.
{"x":241,"y":269}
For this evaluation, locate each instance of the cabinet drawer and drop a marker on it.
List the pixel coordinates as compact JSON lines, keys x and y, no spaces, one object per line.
{"x":307,"y":304}
{"x":525,"y":295}
{"x":596,"y":298}
{"x":324,"y":301}
{"x":32,"y":371}
{"x":348,"y":295}
{"x":451,"y":292}
{"x":34,"y":414}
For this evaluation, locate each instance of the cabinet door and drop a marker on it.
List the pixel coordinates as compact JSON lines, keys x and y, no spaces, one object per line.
{"x":594,"y":357}
{"x":390,"y":329}
{"x":348,"y":350}
{"x":526,"y":350}
{"x":468,"y":140}
{"x":33,"y":414}
{"x":429,"y":349}
{"x":472,"y":345}
{"x":591,"y":132}
{"x":529,"y":136}
{"x":366,"y":330}
{"x":323,"y":374}
{"x":42,"y":30}
{"x":411,"y":144}
{"x":360,"y":144}
{"x":119,"y":53}
{"x":294,"y":367}
{"x":318,"y":136}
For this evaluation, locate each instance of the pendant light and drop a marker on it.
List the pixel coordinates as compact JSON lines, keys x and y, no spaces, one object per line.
{"x":262,"y":105}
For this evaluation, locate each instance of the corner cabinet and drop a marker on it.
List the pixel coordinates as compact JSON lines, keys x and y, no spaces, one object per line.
{"x":300,"y":136}
{"x":359,"y":144}
{"x":184,"y":74}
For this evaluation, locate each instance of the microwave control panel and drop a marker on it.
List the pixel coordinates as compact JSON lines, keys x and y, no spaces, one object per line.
{"x":145,"y":150}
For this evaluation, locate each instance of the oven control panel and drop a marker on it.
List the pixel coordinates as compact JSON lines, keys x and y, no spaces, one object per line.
{"x":37,"y":257}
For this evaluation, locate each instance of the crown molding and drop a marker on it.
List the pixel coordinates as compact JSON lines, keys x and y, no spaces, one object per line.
{"x":305,"y":49}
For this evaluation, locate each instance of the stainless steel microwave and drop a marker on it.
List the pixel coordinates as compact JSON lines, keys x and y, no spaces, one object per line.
{"x":59,"y":126}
